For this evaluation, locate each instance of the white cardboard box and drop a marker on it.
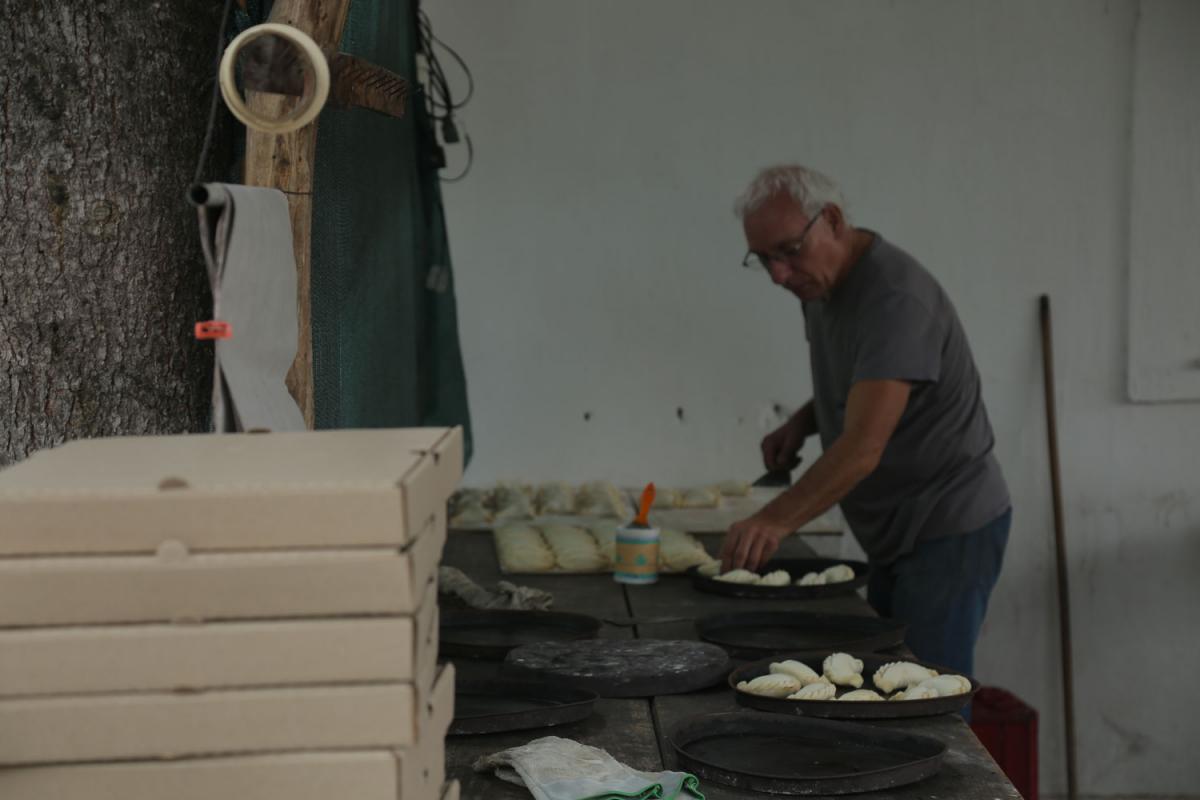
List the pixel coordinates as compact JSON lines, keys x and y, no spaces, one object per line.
{"x":422,"y":768}
{"x":299,"y":776}
{"x":160,"y":726}
{"x":347,"y":488}
{"x":177,"y":586}
{"x":376,"y":775}
{"x":158,"y":657}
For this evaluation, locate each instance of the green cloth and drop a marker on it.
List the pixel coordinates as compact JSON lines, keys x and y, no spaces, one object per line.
{"x":385,"y":345}
{"x":688,"y":787}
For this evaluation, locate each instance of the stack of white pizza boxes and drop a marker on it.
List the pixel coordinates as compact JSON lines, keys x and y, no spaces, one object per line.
{"x":249,"y":616}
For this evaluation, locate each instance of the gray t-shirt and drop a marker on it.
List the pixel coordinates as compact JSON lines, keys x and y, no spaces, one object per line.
{"x":889,"y":319}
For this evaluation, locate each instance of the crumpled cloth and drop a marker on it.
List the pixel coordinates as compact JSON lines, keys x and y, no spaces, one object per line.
{"x":552,"y":768}
{"x":504,"y":595}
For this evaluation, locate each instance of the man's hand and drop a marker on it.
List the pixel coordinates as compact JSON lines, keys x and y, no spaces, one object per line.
{"x":873,"y":411}
{"x":781,"y":447}
{"x":750,"y":543}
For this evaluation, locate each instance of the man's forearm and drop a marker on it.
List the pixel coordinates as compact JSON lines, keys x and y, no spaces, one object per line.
{"x":831,"y":477}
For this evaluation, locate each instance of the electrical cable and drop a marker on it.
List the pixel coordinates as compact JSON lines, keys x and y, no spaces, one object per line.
{"x":470,"y":161}
{"x":216,"y":94}
{"x":440,"y":104}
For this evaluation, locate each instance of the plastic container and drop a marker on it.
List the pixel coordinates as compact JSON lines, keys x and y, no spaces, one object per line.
{"x":1007,"y":727}
{"x":637,"y":555}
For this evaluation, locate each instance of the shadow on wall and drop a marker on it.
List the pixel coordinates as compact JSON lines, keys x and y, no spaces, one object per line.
{"x":1133,"y":568}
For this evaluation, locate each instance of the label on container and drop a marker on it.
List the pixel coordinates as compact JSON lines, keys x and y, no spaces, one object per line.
{"x":637,"y":555}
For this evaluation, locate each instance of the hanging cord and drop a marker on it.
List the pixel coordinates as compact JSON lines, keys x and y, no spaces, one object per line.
{"x":439,"y":99}
{"x":437,"y":74}
{"x":216,"y":94}
{"x":470,"y":159}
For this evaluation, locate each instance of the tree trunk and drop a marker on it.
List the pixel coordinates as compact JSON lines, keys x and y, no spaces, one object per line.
{"x":102,"y":113}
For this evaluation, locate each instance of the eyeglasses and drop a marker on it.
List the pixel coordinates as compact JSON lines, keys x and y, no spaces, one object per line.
{"x":786,"y":252}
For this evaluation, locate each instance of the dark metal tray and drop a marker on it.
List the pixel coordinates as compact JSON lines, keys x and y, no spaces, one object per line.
{"x":492,"y":706}
{"x":796,"y":567}
{"x":491,"y":634}
{"x":622,"y":667}
{"x":802,"y":756}
{"x":836,"y":709}
{"x":754,"y":634}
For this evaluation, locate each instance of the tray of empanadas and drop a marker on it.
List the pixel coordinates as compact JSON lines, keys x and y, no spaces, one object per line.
{"x":759,"y":633}
{"x":842,"y":685}
{"x":801,"y":755}
{"x":783,"y":579}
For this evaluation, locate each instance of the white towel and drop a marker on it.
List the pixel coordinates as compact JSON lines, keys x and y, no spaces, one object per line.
{"x":552,"y":768}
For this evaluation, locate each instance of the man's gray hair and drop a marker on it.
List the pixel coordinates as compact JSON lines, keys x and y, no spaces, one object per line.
{"x":811,"y":189}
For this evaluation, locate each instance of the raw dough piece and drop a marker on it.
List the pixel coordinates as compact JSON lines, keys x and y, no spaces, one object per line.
{"x":678,"y":551}
{"x":901,"y":675}
{"x":574,"y":548}
{"x":916,"y":693}
{"x":470,"y":516}
{"x":700,"y":497}
{"x":469,"y":507}
{"x":556,"y":497}
{"x":601,"y":499}
{"x":521,"y":548}
{"x":770,"y":685}
{"x":843,"y":669}
{"x":605,"y":533}
{"x":779,"y":577}
{"x":711,"y":569}
{"x":946,"y":685}
{"x":665,"y":498}
{"x":818,"y":690}
{"x":737,"y":576}
{"x":811,"y":579}
{"x":838,"y":573}
{"x":511,"y":503}
{"x":469,"y":497}
{"x":861,"y":695}
{"x":797,"y":669}
{"x":732,"y":488}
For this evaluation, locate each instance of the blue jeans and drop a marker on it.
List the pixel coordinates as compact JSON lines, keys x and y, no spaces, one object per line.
{"x":941,"y":591}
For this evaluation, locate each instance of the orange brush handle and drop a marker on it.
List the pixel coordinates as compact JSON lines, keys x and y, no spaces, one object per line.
{"x":644,"y":507}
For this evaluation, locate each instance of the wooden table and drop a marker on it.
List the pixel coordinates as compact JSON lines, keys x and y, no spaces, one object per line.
{"x":635,"y":731}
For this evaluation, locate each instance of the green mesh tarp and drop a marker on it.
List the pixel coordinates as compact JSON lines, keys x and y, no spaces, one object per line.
{"x":385,"y":335}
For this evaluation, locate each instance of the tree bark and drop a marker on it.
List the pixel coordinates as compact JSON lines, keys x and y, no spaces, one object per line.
{"x":103,"y":106}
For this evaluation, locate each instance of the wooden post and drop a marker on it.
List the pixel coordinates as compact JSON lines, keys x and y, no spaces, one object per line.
{"x":285,"y":162}
{"x":1060,"y":547}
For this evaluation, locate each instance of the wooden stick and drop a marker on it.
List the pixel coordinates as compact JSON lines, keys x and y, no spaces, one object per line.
{"x":284,"y":161}
{"x":1060,"y":547}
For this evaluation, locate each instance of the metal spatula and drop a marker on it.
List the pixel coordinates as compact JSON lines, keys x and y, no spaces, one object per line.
{"x":776,"y":479}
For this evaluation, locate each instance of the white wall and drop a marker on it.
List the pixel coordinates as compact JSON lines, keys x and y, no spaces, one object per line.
{"x":596,"y":258}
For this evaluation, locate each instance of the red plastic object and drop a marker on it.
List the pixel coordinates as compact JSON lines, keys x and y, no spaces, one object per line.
{"x":214,"y":329}
{"x":1008,"y":729}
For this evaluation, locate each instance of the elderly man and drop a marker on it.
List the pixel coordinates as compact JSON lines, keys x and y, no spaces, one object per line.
{"x":898,"y":406}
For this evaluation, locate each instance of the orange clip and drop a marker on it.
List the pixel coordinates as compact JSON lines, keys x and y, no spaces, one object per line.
{"x":214,"y":329}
